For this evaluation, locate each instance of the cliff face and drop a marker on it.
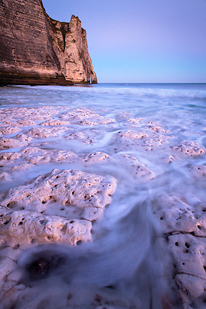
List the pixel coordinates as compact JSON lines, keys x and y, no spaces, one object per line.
{"x":70,"y":44}
{"x":35,"y":49}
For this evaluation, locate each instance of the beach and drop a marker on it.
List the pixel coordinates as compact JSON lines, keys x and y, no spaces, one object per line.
{"x":102,"y":196}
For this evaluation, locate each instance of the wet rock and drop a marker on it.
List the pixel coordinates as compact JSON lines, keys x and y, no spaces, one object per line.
{"x":189,"y":148}
{"x":19,"y":140}
{"x":62,"y":155}
{"x":176,"y":215}
{"x":29,"y":156}
{"x":96,"y":157}
{"x":29,"y":227}
{"x":132,"y":134}
{"x":157,"y":128}
{"x":199,"y":171}
{"x":86,"y":117}
{"x":189,"y":254}
{"x":47,"y":132}
{"x":8,"y":158}
{"x":140,"y":139}
{"x":9,"y":130}
{"x":135,"y":120}
{"x":5,"y":177}
{"x":63,"y":187}
{"x":54,"y":123}
{"x":136,"y":168}
{"x":87,"y":136}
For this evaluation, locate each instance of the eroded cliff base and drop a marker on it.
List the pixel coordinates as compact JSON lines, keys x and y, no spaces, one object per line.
{"x":16,"y":79}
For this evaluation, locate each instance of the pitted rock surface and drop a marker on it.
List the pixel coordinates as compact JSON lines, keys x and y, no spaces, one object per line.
{"x":29,"y":227}
{"x":83,"y":194}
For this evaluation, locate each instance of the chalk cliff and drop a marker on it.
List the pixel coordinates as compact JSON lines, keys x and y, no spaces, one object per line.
{"x":35,"y":49}
{"x":70,"y":45}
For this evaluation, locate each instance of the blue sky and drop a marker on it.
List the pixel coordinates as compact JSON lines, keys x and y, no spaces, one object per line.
{"x":141,"y":40}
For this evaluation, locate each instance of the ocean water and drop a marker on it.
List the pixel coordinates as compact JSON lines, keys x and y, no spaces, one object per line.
{"x":151,"y":138}
{"x":171,"y":104}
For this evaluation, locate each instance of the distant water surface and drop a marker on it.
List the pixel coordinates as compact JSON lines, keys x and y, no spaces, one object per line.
{"x":174,"y":105}
{"x":147,"y":98}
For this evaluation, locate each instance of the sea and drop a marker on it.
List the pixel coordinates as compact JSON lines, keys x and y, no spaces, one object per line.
{"x":152,"y":139}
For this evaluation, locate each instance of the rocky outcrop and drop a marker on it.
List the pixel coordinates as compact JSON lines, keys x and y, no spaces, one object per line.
{"x":70,"y":45}
{"x":35,"y":49}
